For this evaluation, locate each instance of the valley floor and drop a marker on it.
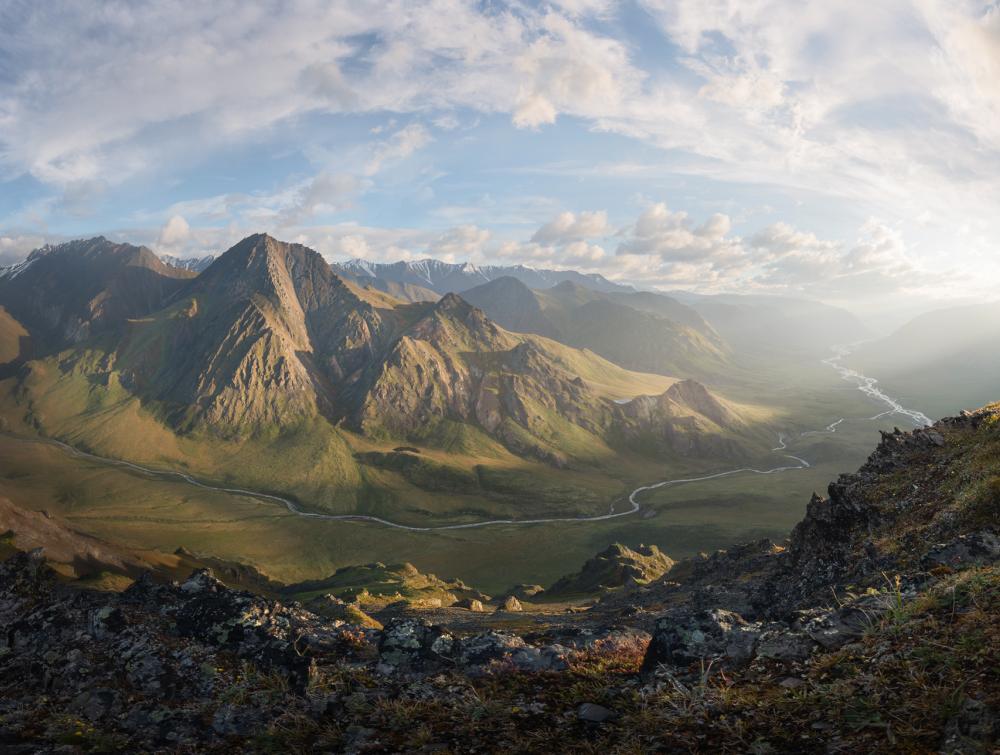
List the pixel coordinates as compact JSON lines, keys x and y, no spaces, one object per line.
{"x":126,"y":505}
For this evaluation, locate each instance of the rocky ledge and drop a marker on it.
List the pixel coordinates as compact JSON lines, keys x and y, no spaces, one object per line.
{"x":873,"y":628}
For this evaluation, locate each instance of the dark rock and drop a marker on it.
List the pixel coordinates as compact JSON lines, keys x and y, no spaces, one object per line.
{"x":834,"y":628}
{"x":233,"y":720}
{"x":785,"y":645}
{"x":414,"y":644}
{"x":594,"y":713}
{"x":682,"y":639}
{"x":977,"y":548}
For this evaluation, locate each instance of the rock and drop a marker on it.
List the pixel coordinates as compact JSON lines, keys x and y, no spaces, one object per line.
{"x":791,"y":682}
{"x":973,"y":729}
{"x":966,"y":550}
{"x":97,"y":703}
{"x":616,"y":566}
{"x":488,"y":647}
{"x":414,"y":644}
{"x":511,"y":604}
{"x":471,"y":604}
{"x":524,"y":591}
{"x":594,"y":713}
{"x":785,"y":645}
{"x":233,"y":720}
{"x":682,"y":639}
{"x":834,"y":628}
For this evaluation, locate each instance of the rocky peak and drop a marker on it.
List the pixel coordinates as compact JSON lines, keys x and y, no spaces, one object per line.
{"x":616,"y":566}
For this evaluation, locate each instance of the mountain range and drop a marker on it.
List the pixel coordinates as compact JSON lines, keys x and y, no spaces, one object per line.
{"x":270,"y":348}
{"x":444,"y":277}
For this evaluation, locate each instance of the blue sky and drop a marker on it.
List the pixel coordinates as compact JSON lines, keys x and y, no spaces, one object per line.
{"x":849,"y":150}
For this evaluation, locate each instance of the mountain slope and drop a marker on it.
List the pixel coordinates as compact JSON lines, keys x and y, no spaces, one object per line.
{"x":64,"y":294}
{"x":266,"y":335}
{"x":269,"y":371}
{"x":874,"y":628}
{"x":942,"y":361}
{"x":644,"y":332}
{"x":754,"y":324}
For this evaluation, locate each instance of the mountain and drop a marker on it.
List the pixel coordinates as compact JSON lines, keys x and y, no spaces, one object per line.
{"x":875,"y":627}
{"x":641,"y":331}
{"x":942,"y":361}
{"x":755,"y":324}
{"x":67,"y":293}
{"x":192,"y":264}
{"x":445,"y":277}
{"x":270,"y":369}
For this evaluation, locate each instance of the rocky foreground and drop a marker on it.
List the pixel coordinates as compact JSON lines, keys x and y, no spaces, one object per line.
{"x":874,"y":628}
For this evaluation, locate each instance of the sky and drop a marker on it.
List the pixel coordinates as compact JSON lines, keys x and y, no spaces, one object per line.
{"x":848,"y":151}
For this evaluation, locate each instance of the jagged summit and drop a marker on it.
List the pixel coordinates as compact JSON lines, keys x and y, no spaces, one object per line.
{"x":444,"y":277}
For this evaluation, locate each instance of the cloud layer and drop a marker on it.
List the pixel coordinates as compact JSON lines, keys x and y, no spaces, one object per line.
{"x":116,"y":117}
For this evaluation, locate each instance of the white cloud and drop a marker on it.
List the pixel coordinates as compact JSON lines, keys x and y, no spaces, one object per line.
{"x":461,"y":243}
{"x":674,"y":237}
{"x":399,"y":146}
{"x":174,"y":232}
{"x":567,"y":226}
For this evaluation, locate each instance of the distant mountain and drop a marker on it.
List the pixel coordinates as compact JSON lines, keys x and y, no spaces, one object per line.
{"x":445,"y":277}
{"x":760,"y":324}
{"x":641,"y":331}
{"x":194,"y":264}
{"x":407,"y":292}
{"x":67,"y":293}
{"x":940,"y":362}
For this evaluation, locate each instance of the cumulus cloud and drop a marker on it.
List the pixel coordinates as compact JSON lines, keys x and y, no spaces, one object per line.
{"x":174,"y":232}
{"x":461,"y":243}
{"x":567,"y":226}
{"x":673,"y":236}
{"x":15,"y":248}
{"x":877,"y":263}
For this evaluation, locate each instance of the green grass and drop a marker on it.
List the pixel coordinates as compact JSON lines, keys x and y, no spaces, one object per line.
{"x":316,"y":464}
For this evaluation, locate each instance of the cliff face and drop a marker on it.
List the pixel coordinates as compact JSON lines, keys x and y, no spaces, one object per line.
{"x":875,"y":628}
{"x":265,"y":336}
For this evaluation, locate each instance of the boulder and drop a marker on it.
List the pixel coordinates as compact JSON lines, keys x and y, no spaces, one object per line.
{"x":511,"y":604}
{"x":680,"y":639}
{"x":413,"y":644}
{"x":981,"y":547}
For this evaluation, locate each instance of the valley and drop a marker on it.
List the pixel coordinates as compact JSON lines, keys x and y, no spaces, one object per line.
{"x":264,"y":411}
{"x":122,"y":502}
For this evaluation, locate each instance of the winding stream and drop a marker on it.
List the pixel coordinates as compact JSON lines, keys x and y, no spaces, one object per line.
{"x":866,"y":385}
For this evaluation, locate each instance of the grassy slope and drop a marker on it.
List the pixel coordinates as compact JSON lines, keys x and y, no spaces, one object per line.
{"x":11,"y":332}
{"x":149,"y":513}
{"x":78,"y":398}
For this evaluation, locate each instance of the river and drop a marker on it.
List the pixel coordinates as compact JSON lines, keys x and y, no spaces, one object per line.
{"x":867,"y":385}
